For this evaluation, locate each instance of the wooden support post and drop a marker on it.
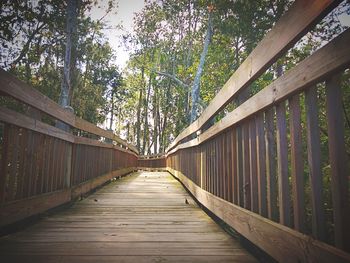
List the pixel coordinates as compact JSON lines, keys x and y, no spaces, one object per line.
{"x":271,"y":165}
{"x":314,"y":160}
{"x":282,"y":165}
{"x":339,"y":162}
{"x":253,"y":167}
{"x":69,"y":154}
{"x":261,"y":164}
{"x":297,"y":166}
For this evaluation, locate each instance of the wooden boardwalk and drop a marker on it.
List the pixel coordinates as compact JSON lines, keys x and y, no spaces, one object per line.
{"x":141,"y":218}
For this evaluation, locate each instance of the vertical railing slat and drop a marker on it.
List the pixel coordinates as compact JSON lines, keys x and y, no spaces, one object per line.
{"x":253,"y":166}
{"x":339,"y":162}
{"x":282,"y":165}
{"x":297,"y":165}
{"x":314,"y":161}
{"x":271,"y":165}
{"x":261,"y":164}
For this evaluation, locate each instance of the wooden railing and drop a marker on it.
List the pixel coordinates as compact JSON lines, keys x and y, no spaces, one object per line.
{"x":42,"y":166}
{"x":260,"y":168}
{"x":152,"y":161}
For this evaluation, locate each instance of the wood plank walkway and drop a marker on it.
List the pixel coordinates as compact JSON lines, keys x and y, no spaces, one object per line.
{"x":140,"y":218}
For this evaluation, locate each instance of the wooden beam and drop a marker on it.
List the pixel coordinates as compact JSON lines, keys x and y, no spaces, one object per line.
{"x":20,"y":120}
{"x":89,"y":185}
{"x":92,"y":128}
{"x":21,"y":91}
{"x":17,"y":210}
{"x":92,"y":142}
{"x":11,"y":86}
{"x":298,"y":20}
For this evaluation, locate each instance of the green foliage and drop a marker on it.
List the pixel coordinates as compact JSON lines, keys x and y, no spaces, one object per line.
{"x":33,"y":44}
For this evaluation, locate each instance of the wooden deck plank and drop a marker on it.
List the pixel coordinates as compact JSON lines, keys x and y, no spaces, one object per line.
{"x":140,"y":218}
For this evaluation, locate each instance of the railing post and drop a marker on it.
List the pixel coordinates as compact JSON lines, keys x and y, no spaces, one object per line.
{"x":69,"y":156}
{"x":69,"y":160}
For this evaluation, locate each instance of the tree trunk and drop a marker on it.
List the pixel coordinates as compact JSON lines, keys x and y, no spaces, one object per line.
{"x":145,"y":130}
{"x":71,"y":31}
{"x":155,"y":121}
{"x":196,"y":82}
{"x":165,"y":119}
{"x":112,"y":109}
{"x":138,"y":123}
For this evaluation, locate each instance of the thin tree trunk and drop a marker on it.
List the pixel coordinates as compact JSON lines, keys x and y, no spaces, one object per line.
{"x":138,"y":123}
{"x":155,"y":121}
{"x":71,"y":30}
{"x":163,"y":126}
{"x":112,"y":110}
{"x":145,"y":130}
{"x":196,"y":82}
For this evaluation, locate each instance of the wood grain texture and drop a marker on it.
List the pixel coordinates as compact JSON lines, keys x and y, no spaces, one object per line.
{"x":140,"y":218}
{"x":261,"y":164}
{"x":314,"y":161}
{"x":271,"y":167}
{"x":282,"y":165}
{"x":297,"y":164}
{"x":281,"y":242}
{"x":92,"y":128}
{"x":17,"y":210}
{"x":295,"y":23}
{"x":339,"y":162}
{"x":20,"y":120}
{"x":11,"y":86}
{"x":92,"y":142}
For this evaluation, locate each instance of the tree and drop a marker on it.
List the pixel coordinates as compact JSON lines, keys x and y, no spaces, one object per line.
{"x":66,"y":87}
{"x":196,"y":82}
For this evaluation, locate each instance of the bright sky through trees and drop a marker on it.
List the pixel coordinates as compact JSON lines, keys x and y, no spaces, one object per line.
{"x":123,"y":16}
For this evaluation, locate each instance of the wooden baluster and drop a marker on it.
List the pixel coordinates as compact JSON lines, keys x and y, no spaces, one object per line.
{"x":339,"y":162}
{"x":22,"y":164}
{"x":29,"y":176}
{"x":4,"y":161}
{"x":239,"y":155}
{"x":229,"y":161}
{"x":224,"y":164}
{"x":11,"y":184}
{"x":271,"y":165}
{"x":246,"y":166}
{"x":253,"y":166}
{"x":261,"y":164}
{"x":235,"y":191}
{"x":297,"y":165}
{"x":314,"y":160}
{"x":282,"y":165}
{"x":202,"y":167}
{"x":41,"y":152}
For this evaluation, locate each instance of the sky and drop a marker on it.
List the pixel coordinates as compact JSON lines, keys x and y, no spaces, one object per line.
{"x":122,"y":15}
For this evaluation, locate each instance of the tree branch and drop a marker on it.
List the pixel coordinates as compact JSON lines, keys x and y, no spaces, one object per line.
{"x":27,"y":44}
{"x":174,"y":78}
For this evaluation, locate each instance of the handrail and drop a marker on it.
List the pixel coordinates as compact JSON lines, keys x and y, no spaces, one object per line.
{"x":42,"y":166}
{"x":302,"y":16}
{"x":11,"y":86}
{"x":262,"y":168}
{"x":331,"y":58}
